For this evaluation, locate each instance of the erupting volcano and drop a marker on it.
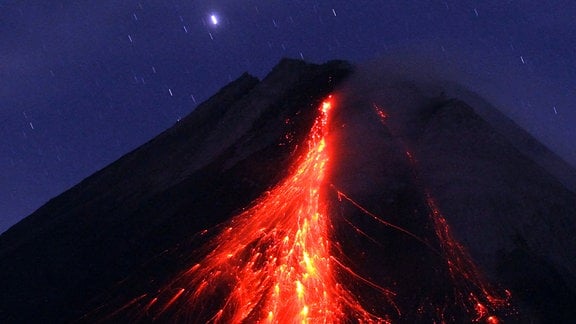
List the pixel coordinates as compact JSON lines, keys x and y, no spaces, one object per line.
{"x":307,"y":197}
{"x":273,"y":261}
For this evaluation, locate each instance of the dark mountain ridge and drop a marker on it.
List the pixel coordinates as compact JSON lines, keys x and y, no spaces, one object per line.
{"x":96,"y":233}
{"x":410,"y":157}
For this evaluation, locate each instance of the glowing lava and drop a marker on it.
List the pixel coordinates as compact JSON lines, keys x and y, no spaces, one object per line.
{"x":273,"y":263}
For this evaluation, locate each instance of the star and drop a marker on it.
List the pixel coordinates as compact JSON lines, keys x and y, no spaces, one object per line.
{"x":214,"y":19}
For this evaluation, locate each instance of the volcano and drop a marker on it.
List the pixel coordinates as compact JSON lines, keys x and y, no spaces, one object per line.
{"x":320,"y":194}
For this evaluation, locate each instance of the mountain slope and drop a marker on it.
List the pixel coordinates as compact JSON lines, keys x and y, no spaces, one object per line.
{"x":82,"y":242}
{"x":418,"y":208}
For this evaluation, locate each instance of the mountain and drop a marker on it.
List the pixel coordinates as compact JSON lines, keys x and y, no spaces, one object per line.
{"x":320,"y":192}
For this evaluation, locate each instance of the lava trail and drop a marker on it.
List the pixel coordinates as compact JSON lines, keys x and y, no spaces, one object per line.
{"x":272,"y":262}
{"x":471,"y":290}
{"x":278,"y":261}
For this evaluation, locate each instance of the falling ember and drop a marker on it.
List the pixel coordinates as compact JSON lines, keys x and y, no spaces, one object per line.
{"x":272,"y":263}
{"x":380,"y":112}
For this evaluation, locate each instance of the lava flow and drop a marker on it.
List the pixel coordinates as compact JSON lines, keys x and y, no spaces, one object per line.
{"x":272,"y":263}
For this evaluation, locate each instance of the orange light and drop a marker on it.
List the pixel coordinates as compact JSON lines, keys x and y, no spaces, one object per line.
{"x":275,"y":264}
{"x":326,"y":105}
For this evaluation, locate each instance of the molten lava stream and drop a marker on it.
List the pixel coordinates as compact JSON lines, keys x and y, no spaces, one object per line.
{"x":272,"y":263}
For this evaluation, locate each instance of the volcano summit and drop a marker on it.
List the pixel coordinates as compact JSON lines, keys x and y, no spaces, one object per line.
{"x":321,"y":194}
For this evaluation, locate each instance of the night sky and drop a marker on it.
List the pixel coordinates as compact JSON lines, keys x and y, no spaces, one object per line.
{"x":84,"y":82}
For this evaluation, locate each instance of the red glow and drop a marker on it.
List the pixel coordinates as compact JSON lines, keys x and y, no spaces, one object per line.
{"x":273,"y":263}
{"x":470,"y":288}
{"x":380,"y":112}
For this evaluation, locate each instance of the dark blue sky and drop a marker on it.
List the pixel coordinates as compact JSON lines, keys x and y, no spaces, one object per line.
{"x":82,"y":83}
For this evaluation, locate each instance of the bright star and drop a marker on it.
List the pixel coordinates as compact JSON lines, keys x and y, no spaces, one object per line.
{"x":214,"y":19}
